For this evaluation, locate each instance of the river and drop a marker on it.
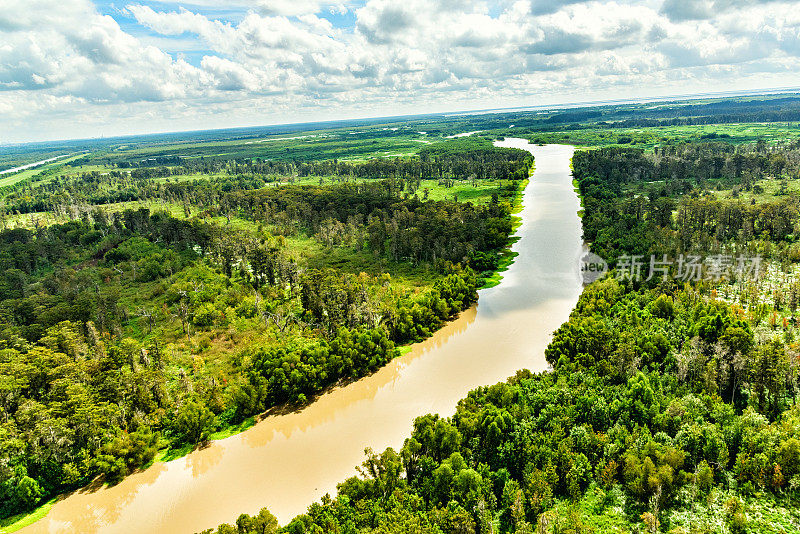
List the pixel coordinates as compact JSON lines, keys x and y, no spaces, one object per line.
{"x":32,"y":165}
{"x":285,"y":462}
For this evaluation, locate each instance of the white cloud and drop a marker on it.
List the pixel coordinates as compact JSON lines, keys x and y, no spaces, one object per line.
{"x":682,"y":10}
{"x":74,"y":51}
{"x":63,"y":59}
{"x":176,"y":23}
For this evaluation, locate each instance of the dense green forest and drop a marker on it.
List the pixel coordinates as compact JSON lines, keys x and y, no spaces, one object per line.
{"x":668,"y":407}
{"x":161,"y":291}
{"x":131,"y":334}
{"x":668,"y":201}
{"x":662,"y":410}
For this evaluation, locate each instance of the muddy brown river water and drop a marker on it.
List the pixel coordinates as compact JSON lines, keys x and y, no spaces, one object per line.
{"x":285,"y":462}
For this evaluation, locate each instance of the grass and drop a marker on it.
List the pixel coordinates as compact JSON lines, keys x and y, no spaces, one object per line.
{"x":404,"y":275}
{"x":188,"y":177}
{"x":20,"y":521}
{"x":477,"y":192}
{"x":46,"y":218}
{"x":766,"y":190}
{"x":343,"y":144}
{"x":598,"y":511}
{"x":46,"y":169}
{"x":168,"y":454}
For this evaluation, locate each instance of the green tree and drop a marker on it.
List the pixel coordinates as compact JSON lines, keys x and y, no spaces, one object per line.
{"x":28,"y":492}
{"x":193,"y":422}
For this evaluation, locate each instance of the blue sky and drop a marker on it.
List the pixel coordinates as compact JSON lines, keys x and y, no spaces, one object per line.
{"x":83,"y":68}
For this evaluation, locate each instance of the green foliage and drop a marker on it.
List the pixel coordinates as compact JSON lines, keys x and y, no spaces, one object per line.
{"x":125,"y":453}
{"x":192,"y":422}
{"x":648,"y":433}
{"x":638,"y":203}
{"x":263,"y":523}
{"x":28,"y":492}
{"x":122,"y":331}
{"x":284,"y":374}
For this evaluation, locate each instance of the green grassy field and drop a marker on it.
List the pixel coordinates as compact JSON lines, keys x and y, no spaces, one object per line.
{"x":45,"y":170}
{"x":477,"y":192}
{"x":337,"y":144}
{"x":763,"y":191}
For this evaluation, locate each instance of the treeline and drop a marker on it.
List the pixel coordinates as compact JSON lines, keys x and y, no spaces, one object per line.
{"x":296,"y":371}
{"x":646,"y":416}
{"x":454,"y":160}
{"x":689,"y":161}
{"x":153,"y":162}
{"x":373,"y":217}
{"x":640,"y":203}
{"x":781,"y":109}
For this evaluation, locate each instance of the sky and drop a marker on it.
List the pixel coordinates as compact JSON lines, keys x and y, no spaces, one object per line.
{"x":83,"y":68}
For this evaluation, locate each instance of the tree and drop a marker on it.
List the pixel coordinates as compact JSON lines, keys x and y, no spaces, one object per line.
{"x":28,"y":492}
{"x":263,"y":523}
{"x":769,"y":368}
{"x":383,"y":470}
{"x":192,"y":422}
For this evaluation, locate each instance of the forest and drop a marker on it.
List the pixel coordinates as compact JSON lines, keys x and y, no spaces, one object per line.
{"x":669,"y":408}
{"x":132,"y":335}
{"x":161,"y":292}
{"x":662,"y":412}
{"x":669,"y":200}
{"x":201,"y":182}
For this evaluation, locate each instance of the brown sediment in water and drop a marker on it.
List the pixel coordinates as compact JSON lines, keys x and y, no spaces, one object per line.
{"x":287,"y":461}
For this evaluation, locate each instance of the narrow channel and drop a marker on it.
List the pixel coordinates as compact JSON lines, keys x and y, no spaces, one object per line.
{"x":32,"y":165}
{"x":288,"y":461}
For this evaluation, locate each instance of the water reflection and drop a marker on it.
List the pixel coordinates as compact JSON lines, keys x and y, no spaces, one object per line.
{"x":201,"y":460}
{"x":287,"y":461}
{"x":327,"y":406}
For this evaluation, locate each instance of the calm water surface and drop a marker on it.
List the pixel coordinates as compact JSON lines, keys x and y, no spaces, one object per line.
{"x":286,"y":462}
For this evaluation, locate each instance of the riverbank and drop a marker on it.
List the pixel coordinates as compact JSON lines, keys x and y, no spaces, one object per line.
{"x":288,"y":460}
{"x":507,"y":255}
{"x":166,"y":454}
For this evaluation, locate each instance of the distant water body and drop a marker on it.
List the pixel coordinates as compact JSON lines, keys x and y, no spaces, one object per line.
{"x":31,"y":165}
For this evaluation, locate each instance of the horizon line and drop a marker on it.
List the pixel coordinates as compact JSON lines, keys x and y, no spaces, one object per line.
{"x":509,"y":109}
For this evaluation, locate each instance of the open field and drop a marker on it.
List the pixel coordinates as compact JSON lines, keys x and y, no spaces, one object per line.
{"x":594,"y":125}
{"x":47,"y":169}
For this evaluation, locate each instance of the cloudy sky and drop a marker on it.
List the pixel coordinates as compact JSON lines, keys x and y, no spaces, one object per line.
{"x":83,"y":68}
